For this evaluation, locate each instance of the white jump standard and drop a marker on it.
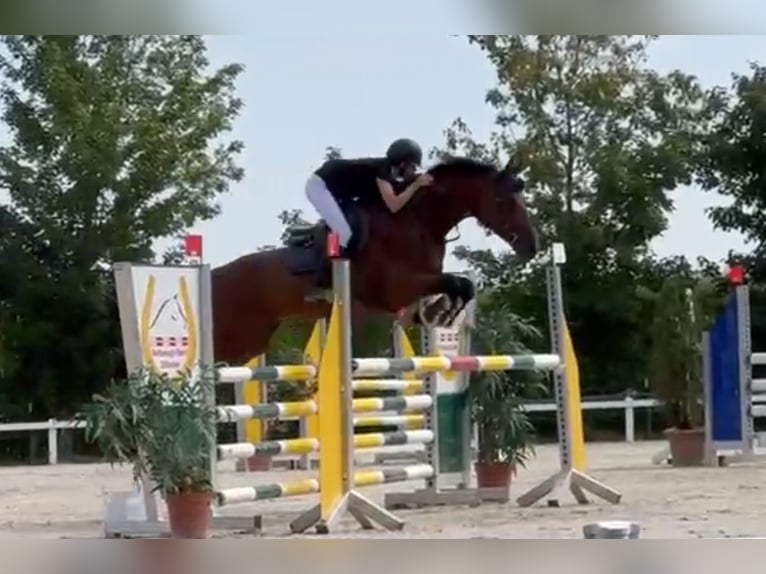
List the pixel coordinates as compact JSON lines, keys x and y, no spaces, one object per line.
{"x":577,"y":481}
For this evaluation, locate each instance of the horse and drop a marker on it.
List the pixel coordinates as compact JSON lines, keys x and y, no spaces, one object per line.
{"x":396,"y":259}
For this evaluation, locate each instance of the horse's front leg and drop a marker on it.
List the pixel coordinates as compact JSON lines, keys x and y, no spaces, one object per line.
{"x":402,"y":289}
{"x":443,"y":309}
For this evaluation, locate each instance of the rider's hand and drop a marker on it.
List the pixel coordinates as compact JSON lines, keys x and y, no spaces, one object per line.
{"x":424,"y":179}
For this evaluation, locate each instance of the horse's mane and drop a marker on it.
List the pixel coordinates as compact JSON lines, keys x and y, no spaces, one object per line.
{"x":462,"y":166}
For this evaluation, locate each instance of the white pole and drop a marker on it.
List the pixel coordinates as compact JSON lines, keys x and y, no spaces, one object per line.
{"x":53,"y":442}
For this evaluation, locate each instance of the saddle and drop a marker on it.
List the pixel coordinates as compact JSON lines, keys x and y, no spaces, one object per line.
{"x":307,"y":245}
{"x":307,"y":234}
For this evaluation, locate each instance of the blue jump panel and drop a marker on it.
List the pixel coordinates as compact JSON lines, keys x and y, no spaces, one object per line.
{"x":726,"y":393}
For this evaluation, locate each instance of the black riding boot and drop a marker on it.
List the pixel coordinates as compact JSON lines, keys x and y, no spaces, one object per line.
{"x":324,"y":277}
{"x":351,"y":249}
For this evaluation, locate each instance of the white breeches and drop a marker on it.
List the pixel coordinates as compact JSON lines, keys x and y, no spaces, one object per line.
{"x":325,"y":204}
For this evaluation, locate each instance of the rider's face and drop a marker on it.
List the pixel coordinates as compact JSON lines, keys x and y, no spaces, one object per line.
{"x":408,"y":170}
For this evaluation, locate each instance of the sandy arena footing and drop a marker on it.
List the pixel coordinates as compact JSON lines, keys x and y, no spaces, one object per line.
{"x":68,"y":501}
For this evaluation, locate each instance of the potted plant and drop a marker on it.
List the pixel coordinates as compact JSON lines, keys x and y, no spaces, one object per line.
{"x":164,"y":428}
{"x":506,"y":435}
{"x":681,"y":309}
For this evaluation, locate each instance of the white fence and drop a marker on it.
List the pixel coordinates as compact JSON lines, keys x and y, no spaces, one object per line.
{"x":629,"y":405}
{"x":53,"y":427}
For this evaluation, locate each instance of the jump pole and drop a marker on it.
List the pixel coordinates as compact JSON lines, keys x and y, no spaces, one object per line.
{"x":577,"y":480}
{"x":336,"y":424}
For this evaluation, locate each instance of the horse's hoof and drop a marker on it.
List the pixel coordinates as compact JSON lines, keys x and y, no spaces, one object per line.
{"x":457,"y":314}
{"x":425,"y":319}
{"x":431,"y":314}
{"x":445,"y":320}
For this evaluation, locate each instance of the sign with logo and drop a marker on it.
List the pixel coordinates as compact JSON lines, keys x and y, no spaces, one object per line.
{"x":160,"y":315}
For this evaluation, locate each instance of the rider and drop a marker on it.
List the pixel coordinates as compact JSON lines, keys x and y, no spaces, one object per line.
{"x":366,"y":181}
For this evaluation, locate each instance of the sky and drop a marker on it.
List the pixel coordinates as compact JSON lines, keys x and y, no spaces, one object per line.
{"x":304,"y":92}
{"x":322,"y":85}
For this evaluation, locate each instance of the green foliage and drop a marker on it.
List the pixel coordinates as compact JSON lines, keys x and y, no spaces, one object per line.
{"x":115,"y":142}
{"x":731,"y":166}
{"x":683,"y":308}
{"x":289,"y":350}
{"x":163,"y":427}
{"x":605,"y":139}
{"x":733,"y":157}
{"x":735,"y":150}
{"x":111,"y":139}
{"x":505,"y":433}
{"x":332,"y":152}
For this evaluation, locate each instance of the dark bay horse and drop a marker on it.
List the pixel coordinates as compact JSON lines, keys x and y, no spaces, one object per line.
{"x":398,"y":258}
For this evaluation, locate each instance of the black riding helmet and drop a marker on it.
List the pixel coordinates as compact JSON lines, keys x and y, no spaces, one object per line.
{"x":405,"y":150}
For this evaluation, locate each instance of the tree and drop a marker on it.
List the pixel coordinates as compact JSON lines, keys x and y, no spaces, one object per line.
{"x":605,"y":139}
{"x":113,"y":138}
{"x":732,"y":166}
{"x":332,"y":152}
{"x":116,"y":141}
{"x":732,"y":163}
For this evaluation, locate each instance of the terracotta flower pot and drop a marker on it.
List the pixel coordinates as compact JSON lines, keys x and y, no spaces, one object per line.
{"x":189,"y":514}
{"x":687,"y":446}
{"x":494,"y":474}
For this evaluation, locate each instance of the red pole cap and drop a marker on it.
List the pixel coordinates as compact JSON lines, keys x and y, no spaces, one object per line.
{"x":333,"y":245}
{"x":736,"y":275}
{"x":193,"y":246}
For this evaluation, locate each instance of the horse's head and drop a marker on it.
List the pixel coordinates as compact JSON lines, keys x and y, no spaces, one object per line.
{"x":494,"y":197}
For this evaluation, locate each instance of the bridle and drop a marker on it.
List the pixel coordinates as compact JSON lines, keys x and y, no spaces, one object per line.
{"x":517,"y":189}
